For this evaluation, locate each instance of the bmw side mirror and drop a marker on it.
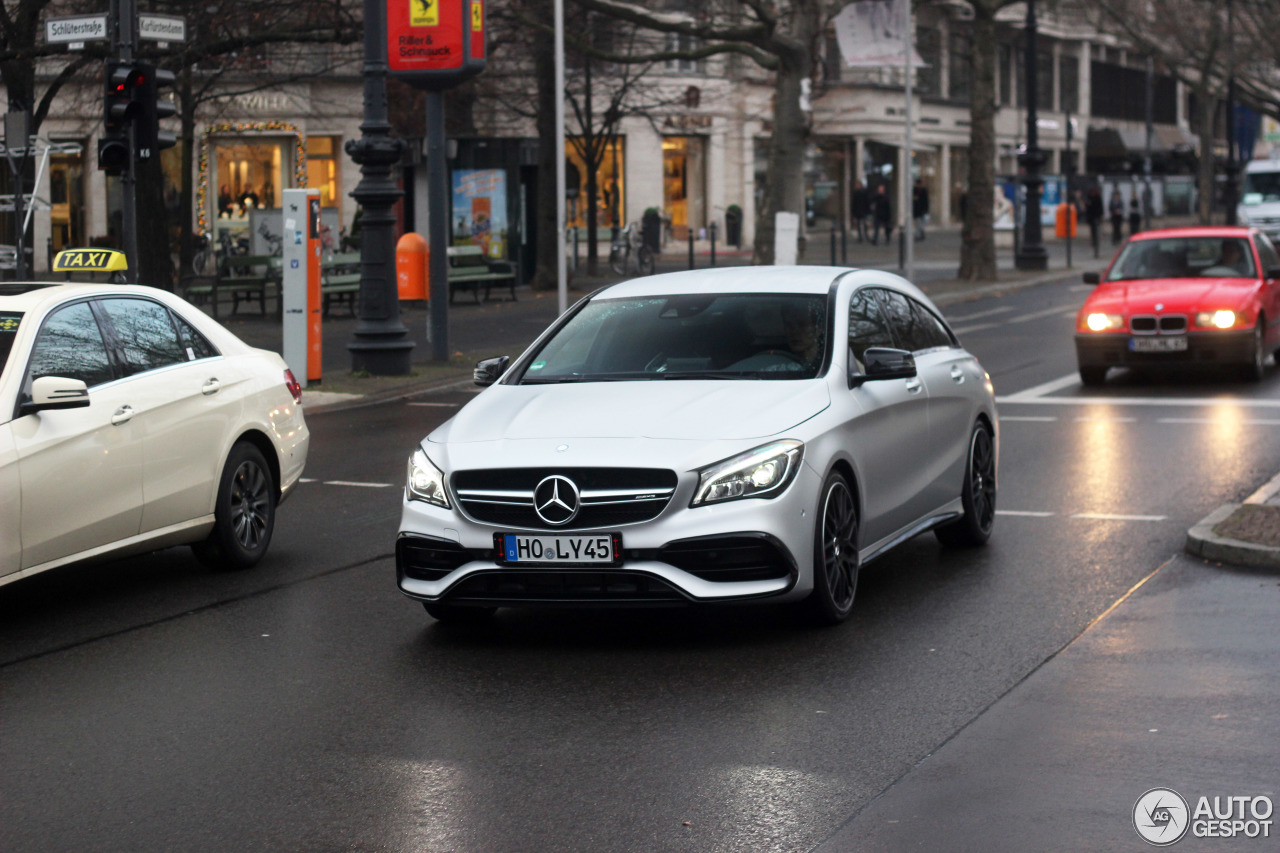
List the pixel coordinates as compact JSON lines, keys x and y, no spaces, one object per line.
{"x":1092,"y":278}
{"x":885,"y":363}
{"x":55,"y":392}
{"x":490,"y":370}
{"x":1273,"y":272}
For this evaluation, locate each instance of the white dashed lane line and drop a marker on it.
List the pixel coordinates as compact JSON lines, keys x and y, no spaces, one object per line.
{"x":1083,"y":516}
{"x":357,"y":485}
{"x":1024,"y":513}
{"x":1047,"y":419}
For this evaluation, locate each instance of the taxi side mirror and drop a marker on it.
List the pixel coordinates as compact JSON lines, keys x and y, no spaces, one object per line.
{"x":56,"y":392}
{"x":490,"y":370}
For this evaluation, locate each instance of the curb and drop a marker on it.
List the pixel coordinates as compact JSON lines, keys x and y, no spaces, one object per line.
{"x":1203,"y":542}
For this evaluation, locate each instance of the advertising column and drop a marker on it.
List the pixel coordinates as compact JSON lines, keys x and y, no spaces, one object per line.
{"x":300,"y":288}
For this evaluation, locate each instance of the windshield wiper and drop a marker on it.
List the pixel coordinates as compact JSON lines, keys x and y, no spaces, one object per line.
{"x":708,"y":374}
{"x":550,"y":380}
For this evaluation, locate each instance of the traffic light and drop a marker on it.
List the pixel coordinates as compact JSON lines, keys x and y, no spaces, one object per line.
{"x":149,"y":140}
{"x":120,"y":80}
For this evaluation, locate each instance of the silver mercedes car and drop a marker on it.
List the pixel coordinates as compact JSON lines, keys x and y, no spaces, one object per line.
{"x":732,"y":435}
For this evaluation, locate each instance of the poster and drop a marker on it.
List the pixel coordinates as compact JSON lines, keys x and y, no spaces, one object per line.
{"x":480,"y":210}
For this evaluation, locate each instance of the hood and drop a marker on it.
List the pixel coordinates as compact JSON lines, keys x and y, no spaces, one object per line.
{"x":1176,"y":295}
{"x":657,"y":409}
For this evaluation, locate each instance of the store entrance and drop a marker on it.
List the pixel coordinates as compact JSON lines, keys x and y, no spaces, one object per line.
{"x":684,"y":183}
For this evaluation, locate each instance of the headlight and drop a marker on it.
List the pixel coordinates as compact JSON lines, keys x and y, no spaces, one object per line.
{"x":1216,"y":319}
{"x":1102,"y":322}
{"x":760,"y":473}
{"x":426,"y":481}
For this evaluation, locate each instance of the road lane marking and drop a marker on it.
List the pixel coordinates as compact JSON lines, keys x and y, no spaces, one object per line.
{"x":1024,"y":513}
{"x":307,"y":480}
{"x":1044,"y":419}
{"x":441,"y":405}
{"x":1048,"y":312}
{"x":1080,"y":288}
{"x":1040,"y":390}
{"x":1036,"y":395}
{"x":1002,"y":310}
{"x":1106,"y":516}
{"x":1222,"y":421}
{"x":1087,"y":420}
{"x":358,"y":485}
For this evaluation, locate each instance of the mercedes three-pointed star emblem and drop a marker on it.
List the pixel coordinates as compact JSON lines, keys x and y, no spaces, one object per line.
{"x":556,"y":500}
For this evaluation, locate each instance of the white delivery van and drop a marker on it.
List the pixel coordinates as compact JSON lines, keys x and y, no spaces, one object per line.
{"x":1260,"y":197}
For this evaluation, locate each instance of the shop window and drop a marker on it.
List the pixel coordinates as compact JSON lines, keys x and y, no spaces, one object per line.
{"x":248,"y":176}
{"x":322,"y":168}
{"x":684,"y":182}
{"x":611,"y":206}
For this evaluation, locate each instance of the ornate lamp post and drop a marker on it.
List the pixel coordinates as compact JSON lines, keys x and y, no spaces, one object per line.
{"x":380,"y":343}
{"x":1031,"y":252}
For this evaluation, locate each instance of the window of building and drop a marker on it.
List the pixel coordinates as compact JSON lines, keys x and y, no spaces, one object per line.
{"x":684,"y":183}
{"x":322,"y":168}
{"x":1004,"y":95}
{"x":929,"y":46}
{"x":1044,"y":79}
{"x":960,"y":55}
{"x":611,"y":206}
{"x":1069,"y":83}
{"x":682,"y":42}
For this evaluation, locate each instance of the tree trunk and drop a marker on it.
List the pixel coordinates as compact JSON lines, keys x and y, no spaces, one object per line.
{"x":784,"y":180}
{"x":1205,"y":115}
{"x":978,"y":237}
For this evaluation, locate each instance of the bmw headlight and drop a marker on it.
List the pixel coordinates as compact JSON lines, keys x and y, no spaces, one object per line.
{"x":426,"y":481}
{"x":1099,"y":322}
{"x":760,"y":473}
{"x":1216,"y":319}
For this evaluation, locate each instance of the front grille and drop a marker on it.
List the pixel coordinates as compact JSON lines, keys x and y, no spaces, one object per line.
{"x":726,"y":559}
{"x":426,"y":559}
{"x":1165,"y":324}
{"x":611,"y":497}
{"x":564,"y":587}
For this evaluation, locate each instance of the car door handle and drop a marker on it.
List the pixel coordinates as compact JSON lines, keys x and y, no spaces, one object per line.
{"x":914,"y":385}
{"x":122,"y":415}
{"x":211,"y":387}
{"x":957,"y":374}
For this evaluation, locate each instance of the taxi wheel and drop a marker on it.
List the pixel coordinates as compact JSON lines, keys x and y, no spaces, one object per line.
{"x":245,"y":513}
{"x":978,"y":498}
{"x":835,"y":554}
{"x":1092,"y":376}
{"x":452,"y":614}
{"x":1255,"y":369}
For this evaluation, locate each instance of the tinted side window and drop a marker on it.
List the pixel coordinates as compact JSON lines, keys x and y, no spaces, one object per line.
{"x":197,"y":345}
{"x":867,"y":326}
{"x":902,"y":321}
{"x":930,"y":327}
{"x":70,"y":344}
{"x":145,"y":334}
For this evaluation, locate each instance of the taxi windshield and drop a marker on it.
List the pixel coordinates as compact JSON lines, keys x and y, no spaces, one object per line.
{"x":9,"y":321}
{"x":1184,"y":257}
{"x":723,"y":336}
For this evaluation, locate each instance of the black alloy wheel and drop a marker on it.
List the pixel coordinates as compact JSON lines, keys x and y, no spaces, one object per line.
{"x":835,"y":558}
{"x":978,"y":498}
{"x":245,"y":513}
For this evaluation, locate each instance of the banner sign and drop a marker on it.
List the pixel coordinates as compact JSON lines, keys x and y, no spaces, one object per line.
{"x":435,"y":44}
{"x":870,"y":35}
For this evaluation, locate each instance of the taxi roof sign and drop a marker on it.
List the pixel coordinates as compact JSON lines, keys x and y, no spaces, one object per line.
{"x":90,"y":260}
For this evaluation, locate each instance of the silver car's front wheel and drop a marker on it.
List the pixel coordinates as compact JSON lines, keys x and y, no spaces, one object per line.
{"x":835,"y":557}
{"x":979,"y":496}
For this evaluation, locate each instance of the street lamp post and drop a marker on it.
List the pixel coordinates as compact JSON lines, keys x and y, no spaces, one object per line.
{"x":1031,"y":254}
{"x":380,"y":343}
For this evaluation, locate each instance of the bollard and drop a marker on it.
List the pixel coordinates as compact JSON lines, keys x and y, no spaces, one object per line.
{"x":690,"y":247}
{"x":713,"y":244}
{"x":902,"y":250}
{"x":844,"y":246}
{"x":833,"y":245}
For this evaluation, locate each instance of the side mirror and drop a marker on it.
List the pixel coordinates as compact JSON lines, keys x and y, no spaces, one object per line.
{"x":490,"y":370}
{"x":1092,"y":278}
{"x":55,"y":392}
{"x":1273,"y":272}
{"x":885,"y":363}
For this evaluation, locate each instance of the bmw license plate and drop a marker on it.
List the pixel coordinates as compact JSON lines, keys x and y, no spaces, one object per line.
{"x":1174,"y":343}
{"x":597,"y":549}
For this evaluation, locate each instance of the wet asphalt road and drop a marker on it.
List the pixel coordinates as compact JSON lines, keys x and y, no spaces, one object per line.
{"x":306,"y":705}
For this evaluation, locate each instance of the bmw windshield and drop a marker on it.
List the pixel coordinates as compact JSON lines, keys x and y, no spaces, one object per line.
{"x":688,"y":336}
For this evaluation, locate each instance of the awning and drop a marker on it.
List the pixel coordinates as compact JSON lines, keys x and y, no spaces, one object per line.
{"x":1106,"y":143}
{"x":1176,"y":138}
{"x":1135,"y":139}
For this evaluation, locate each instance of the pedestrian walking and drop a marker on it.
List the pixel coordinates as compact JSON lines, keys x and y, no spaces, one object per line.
{"x":920,"y":207}
{"x":1135,"y":217}
{"x":1093,"y":215}
{"x":860,"y":209}
{"x":1116,"y":209}
{"x":880,"y":214}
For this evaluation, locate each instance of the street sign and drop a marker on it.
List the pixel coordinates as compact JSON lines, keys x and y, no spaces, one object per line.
{"x":435,"y":44}
{"x":162,"y":28}
{"x":75,"y":31}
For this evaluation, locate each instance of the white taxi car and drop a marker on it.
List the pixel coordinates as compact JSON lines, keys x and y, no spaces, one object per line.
{"x":130,"y":421}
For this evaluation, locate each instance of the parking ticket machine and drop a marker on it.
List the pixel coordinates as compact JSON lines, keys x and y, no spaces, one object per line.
{"x":301,"y":284}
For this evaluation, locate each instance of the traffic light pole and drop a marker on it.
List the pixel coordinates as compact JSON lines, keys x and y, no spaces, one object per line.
{"x":124,"y":13}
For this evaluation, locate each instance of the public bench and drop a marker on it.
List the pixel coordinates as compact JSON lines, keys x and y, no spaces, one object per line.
{"x":469,"y":269}
{"x":246,"y":278}
{"x":340,"y":279}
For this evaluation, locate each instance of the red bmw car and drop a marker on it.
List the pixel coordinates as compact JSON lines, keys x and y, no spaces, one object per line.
{"x":1201,"y":295}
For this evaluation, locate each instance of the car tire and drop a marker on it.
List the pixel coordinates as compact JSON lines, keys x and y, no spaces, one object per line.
{"x":1092,"y":376}
{"x":978,"y":498}
{"x":245,"y":512}
{"x":835,"y":553}
{"x":452,"y":614}
{"x":1255,"y":369}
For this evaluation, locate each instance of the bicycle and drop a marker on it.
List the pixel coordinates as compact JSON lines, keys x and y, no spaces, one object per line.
{"x":627,"y":244}
{"x":275,"y":242}
{"x":209,"y":259}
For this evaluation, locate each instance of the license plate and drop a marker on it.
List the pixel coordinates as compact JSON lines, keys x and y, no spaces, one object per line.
{"x":543,"y":549}
{"x":1176,"y":343}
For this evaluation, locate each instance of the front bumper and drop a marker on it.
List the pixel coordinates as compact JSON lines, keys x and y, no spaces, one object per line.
{"x":735,"y":551}
{"x":1111,"y":349}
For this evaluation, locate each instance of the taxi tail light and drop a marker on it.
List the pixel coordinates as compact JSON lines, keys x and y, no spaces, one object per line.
{"x":293,"y":385}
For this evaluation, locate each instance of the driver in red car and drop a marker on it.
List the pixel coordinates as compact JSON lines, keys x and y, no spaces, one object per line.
{"x":1233,"y":256}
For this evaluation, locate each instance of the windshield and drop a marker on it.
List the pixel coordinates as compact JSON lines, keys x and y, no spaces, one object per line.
{"x":1264,"y":185}
{"x":690,"y":336}
{"x":1184,"y":257}
{"x":8,"y":330}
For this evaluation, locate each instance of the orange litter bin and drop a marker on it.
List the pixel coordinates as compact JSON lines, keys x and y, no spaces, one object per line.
{"x":1066,"y":212}
{"x":412,"y":257}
